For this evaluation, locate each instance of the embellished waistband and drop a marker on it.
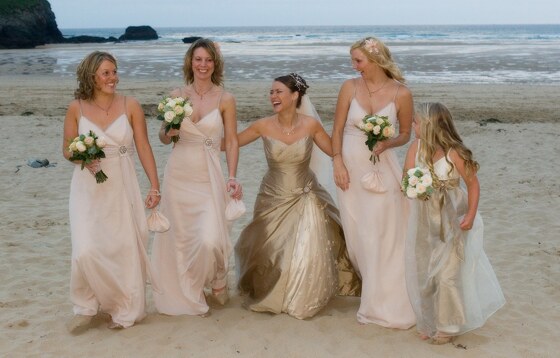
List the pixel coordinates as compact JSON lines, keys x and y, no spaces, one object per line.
{"x":113,"y":151}
{"x":207,"y":142}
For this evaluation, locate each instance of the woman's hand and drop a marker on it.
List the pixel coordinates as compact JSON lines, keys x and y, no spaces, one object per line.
{"x":467,"y":223}
{"x":379,"y":148}
{"x":234,"y":188}
{"x":172,"y":132}
{"x":94,"y":166}
{"x":152,"y":199}
{"x":341,"y":177}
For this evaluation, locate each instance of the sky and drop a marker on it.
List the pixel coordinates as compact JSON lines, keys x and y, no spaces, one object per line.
{"x":186,"y":13}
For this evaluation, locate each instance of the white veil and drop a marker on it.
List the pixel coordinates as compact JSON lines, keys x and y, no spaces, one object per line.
{"x":321,"y":163}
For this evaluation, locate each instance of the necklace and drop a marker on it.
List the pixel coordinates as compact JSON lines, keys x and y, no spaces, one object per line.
{"x":377,"y":90}
{"x":292,"y":129}
{"x":108,"y":108}
{"x":201,"y":94}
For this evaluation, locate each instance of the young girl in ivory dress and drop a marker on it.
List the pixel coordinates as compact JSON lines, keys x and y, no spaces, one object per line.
{"x":452,"y":286}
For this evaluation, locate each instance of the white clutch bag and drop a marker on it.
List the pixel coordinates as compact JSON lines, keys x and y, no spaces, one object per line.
{"x":373,"y":181}
{"x":157,"y":222}
{"x":234,"y":209}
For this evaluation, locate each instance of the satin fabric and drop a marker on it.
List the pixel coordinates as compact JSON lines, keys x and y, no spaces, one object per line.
{"x":109,"y":231}
{"x":375,"y":225}
{"x":193,"y":254}
{"x":292,"y":257}
{"x":451,"y":283}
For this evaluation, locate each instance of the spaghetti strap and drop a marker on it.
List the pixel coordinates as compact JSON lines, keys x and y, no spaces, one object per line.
{"x":355,"y":86}
{"x":397,"y":92}
{"x":80,"y":105}
{"x":220,"y":98}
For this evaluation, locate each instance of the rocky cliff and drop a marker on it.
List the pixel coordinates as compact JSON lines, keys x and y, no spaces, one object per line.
{"x":27,"y":23}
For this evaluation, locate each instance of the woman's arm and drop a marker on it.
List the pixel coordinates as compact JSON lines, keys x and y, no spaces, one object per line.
{"x":70,"y":130}
{"x":410,"y":159}
{"x":144,"y":149}
{"x":473,"y":190}
{"x":341,"y":177}
{"x":321,"y":137}
{"x":228,"y":110}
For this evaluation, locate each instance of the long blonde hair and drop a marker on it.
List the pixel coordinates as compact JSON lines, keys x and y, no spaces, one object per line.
{"x":377,"y":52}
{"x":438,"y":131}
{"x":85,"y":73}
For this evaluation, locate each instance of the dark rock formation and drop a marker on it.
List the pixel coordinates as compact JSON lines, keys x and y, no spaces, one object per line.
{"x":27,"y":23}
{"x":89,"y":39}
{"x":139,"y":33}
{"x":190,"y":39}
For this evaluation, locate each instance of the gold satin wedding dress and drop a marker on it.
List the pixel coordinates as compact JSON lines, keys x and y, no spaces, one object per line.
{"x":292,"y":257}
{"x":451,"y":283}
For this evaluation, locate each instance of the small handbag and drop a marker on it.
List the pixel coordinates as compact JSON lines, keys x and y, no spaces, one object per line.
{"x":157,"y":222}
{"x":234,"y":209}
{"x":373,"y":182}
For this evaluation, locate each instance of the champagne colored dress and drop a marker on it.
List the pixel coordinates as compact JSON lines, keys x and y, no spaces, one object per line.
{"x":193,"y":255}
{"x":109,"y":231}
{"x":292,"y":257}
{"x":375,"y":225}
{"x":451,"y":283}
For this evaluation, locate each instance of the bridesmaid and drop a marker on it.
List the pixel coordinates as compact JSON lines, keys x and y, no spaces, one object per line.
{"x":372,"y":208}
{"x":192,"y":257}
{"x":292,"y":257}
{"x":107,"y":220}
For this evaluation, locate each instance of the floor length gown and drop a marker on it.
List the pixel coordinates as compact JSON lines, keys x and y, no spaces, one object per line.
{"x":109,"y":231}
{"x":451,"y":283}
{"x":193,"y":255}
{"x":375,"y":225}
{"x":292,"y":256}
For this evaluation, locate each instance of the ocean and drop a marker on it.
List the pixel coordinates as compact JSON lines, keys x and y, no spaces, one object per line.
{"x":425,"y":54}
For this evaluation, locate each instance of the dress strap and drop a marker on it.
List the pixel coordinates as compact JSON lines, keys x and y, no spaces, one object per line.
{"x":220,"y":98}
{"x":80,"y":105}
{"x":397,"y":91}
{"x":355,"y":81}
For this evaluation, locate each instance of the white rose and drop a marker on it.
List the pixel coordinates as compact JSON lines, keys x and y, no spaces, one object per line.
{"x":376,"y":130}
{"x":368,"y":127}
{"x":72,"y":147}
{"x":411,"y":171}
{"x":425,"y":171}
{"x":178,"y":110}
{"x":379,"y":120}
{"x":88,"y":141}
{"x":179,"y":101}
{"x":188,"y":109}
{"x":160,"y":107}
{"x":101,"y":142}
{"x":420,"y":189}
{"x":413,"y":180}
{"x":411,"y":193}
{"x":76,"y":139}
{"x":427,"y":180}
{"x":80,"y":146}
{"x":169,"y":116}
{"x":171,"y":103}
{"x":361,"y":125}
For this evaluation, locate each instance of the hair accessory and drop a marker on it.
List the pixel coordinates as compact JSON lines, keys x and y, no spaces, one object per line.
{"x":300,"y":82}
{"x":370,"y":45}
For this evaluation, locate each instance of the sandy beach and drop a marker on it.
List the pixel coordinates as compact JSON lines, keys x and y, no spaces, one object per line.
{"x":514,"y":131}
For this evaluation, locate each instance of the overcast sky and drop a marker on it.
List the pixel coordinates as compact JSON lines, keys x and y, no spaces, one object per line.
{"x":178,"y":13}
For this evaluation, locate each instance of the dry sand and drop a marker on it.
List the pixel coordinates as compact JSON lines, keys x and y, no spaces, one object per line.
{"x":520,"y":202}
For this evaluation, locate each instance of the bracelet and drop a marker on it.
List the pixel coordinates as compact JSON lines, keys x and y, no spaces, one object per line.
{"x":154,"y":191}
{"x":232,"y":178}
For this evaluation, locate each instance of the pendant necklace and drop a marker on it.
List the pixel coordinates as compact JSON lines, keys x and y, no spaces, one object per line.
{"x":289,"y":131}
{"x":103,"y":109}
{"x":377,"y":90}
{"x":202,"y":94}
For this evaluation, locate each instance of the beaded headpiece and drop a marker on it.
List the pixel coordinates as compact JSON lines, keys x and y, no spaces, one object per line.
{"x":370,"y":45}
{"x":300,"y":82}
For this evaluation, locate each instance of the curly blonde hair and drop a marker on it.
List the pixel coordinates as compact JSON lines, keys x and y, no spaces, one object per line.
{"x":377,"y":52}
{"x":85,"y":73}
{"x":438,"y":131}
{"x":215,"y":54}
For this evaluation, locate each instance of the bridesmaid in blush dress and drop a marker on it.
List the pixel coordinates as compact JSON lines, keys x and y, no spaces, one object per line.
{"x":373,"y":210}
{"x":107,"y":220}
{"x":192,"y":258}
{"x":292,"y":257}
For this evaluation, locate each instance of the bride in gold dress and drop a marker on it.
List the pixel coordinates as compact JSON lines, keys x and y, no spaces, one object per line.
{"x":292,"y":257}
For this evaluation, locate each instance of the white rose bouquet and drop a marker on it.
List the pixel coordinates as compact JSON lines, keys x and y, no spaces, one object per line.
{"x":417,"y":183}
{"x":377,"y":128}
{"x":172,"y":111}
{"x":87,"y":148}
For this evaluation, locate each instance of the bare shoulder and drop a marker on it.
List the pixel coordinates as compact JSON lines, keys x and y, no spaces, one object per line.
{"x":404,"y":91}
{"x":132,"y":103}
{"x":177,"y":92}
{"x":74,"y":106}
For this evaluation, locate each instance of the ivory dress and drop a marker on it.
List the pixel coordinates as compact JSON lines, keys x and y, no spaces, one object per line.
{"x":375,"y":225}
{"x":109,"y":231}
{"x":292,"y":257}
{"x":451,"y":283}
{"x":193,"y":255}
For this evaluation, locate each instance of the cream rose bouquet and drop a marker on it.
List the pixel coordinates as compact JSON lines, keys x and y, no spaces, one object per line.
{"x":417,"y":183}
{"x":377,"y":128}
{"x":87,"y":148}
{"x":172,"y":111}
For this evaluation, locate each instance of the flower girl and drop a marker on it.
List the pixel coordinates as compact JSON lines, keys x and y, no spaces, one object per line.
{"x":451,"y":284}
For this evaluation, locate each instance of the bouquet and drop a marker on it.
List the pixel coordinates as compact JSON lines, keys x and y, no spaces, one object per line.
{"x":417,"y":184}
{"x":377,"y":128}
{"x":173,"y":111}
{"x":87,"y":148}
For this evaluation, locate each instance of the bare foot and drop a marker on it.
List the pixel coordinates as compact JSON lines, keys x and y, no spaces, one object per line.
{"x":441,"y":338}
{"x":205,"y":314}
{"x":115,"y":325}
{"x":220,"y":295}
{"x":78,"y":324}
